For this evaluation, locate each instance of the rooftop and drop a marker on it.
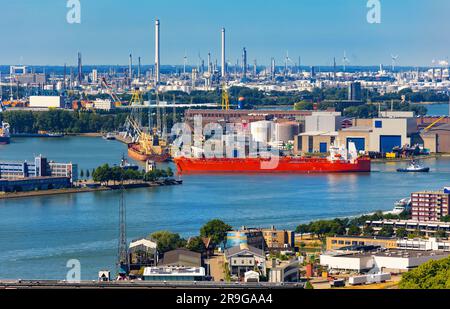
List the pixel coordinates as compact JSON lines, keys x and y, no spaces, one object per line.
{"x":174,"y":271}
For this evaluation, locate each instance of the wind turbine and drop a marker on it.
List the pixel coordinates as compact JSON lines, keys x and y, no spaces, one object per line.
{"x":394,"y":61}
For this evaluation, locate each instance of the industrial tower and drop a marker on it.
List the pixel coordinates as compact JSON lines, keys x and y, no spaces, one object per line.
{"x":122,"y":254}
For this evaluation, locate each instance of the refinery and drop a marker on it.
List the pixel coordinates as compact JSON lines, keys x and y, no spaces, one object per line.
{"x":224,"y":174}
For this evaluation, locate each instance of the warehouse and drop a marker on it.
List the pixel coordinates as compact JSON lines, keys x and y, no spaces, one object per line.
{"x":437,"y":139}
{"x":46,"y":102}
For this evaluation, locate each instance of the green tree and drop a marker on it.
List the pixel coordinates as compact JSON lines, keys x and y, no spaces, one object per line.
{"x":88,"y":175}
{"x":386,"y":231}
{"x":368,"y":231}
{"x":81,"y":174}
{"x":401,"y":233}
{"x":196,"y":244}
{"x":445,"y":218}
{"x":430,"y":275}
{"x":354,"y":230}
{"x":308,"y":286}
{"x":168,"y":241}
{"x":440,"y":234}
{"x":216,"y":230}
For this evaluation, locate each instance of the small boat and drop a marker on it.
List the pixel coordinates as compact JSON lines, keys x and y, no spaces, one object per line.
{"x":124,"y":164}
{"x":414,"y":167}
{"x":109,"y":137}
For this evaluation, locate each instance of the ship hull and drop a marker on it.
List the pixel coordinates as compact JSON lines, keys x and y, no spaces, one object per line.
{"x":4,"y":140}
{"x":257,"y":165}
{"x":136,"y":154}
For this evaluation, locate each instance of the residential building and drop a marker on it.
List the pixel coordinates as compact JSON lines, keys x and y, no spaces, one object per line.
{"x":430,"y":205}
{"x":429,"y":228}
{"x":246,"y":236}
{"x":244,"y":258}
{"x":278,"y":239}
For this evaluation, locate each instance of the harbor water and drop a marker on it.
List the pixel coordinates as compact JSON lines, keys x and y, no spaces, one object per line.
{"x":38,"y":236}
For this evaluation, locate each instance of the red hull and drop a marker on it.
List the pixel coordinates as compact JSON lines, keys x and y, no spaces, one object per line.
{"x":285,"y":165}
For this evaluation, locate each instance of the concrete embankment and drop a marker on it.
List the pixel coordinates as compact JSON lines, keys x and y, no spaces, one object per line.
{"x":128,"y":186}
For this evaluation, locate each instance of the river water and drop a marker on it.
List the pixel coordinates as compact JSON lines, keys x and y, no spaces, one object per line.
{"x":39,"y":235}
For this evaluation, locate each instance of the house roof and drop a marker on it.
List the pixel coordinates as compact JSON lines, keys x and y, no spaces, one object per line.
{"x":182,"y":257}
{"x":243,"y":248}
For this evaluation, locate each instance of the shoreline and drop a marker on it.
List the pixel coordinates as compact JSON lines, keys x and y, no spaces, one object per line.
{"x":129,"y":186}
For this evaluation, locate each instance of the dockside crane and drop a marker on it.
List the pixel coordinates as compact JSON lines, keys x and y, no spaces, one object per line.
{"x":225,"y":98}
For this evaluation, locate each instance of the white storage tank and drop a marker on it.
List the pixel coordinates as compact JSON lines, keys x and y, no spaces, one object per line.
{"x":261,"y":131}
{"x":286,"y":131}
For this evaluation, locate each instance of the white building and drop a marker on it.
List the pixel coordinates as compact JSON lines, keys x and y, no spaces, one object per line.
{"x":323,"y":121}
{"x":46,"y":102}
{"x":103,"y":104}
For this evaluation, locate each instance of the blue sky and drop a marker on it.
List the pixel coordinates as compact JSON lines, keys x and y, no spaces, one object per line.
{"x":36,"y":32}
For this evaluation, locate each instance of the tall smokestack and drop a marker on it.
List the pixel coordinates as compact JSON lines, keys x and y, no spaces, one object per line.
{"x":224,"y":70}
{"x":130,"y":67}
{"x":157,"y":50}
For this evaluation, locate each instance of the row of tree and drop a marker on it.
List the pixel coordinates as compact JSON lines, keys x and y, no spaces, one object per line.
{"x":106,"y":174}
{"x":351,"y":226}
{"x":214,"y":229}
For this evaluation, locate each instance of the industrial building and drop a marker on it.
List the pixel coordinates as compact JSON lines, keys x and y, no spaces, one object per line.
{"x":41,"y":167}
{"x":46,"y":102}
{"x":437,"y":139}
{"x":339,"y":242}
{"x":379,"y":134}
{"x":35,"y":183}
{"x":162,"y":274}
{"x":394,"y":261}
{"x":430,"y":205}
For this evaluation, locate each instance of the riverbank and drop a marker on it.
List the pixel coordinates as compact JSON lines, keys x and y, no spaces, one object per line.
{"x":87,"y":189}
{"x":422,"y":158}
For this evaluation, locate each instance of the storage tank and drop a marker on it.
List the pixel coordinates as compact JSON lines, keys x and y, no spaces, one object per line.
{"x":261,"y":131}
{"x":286,"y":131}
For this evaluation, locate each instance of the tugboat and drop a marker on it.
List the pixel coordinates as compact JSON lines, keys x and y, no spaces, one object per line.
{"x":414,"y":167}
{"x":124,"y":164}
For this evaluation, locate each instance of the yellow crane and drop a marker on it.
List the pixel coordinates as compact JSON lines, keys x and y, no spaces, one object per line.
{"x":433,"y":124}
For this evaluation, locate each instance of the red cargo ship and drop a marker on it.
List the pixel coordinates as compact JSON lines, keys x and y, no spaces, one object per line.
{"x":285,"y":165}
{"x":335,"y":163}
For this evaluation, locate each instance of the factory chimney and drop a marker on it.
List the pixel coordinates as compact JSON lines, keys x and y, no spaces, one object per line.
{"x":224,"y":70}
{"x":244,"y":63}
{"x":157,"y":50}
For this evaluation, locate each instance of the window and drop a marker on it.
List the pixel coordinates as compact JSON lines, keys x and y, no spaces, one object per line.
{"x":378,"y":124}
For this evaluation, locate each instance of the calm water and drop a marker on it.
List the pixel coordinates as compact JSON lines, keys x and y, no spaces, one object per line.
{"x":39,"y":235}
{"x":438,"y":109}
